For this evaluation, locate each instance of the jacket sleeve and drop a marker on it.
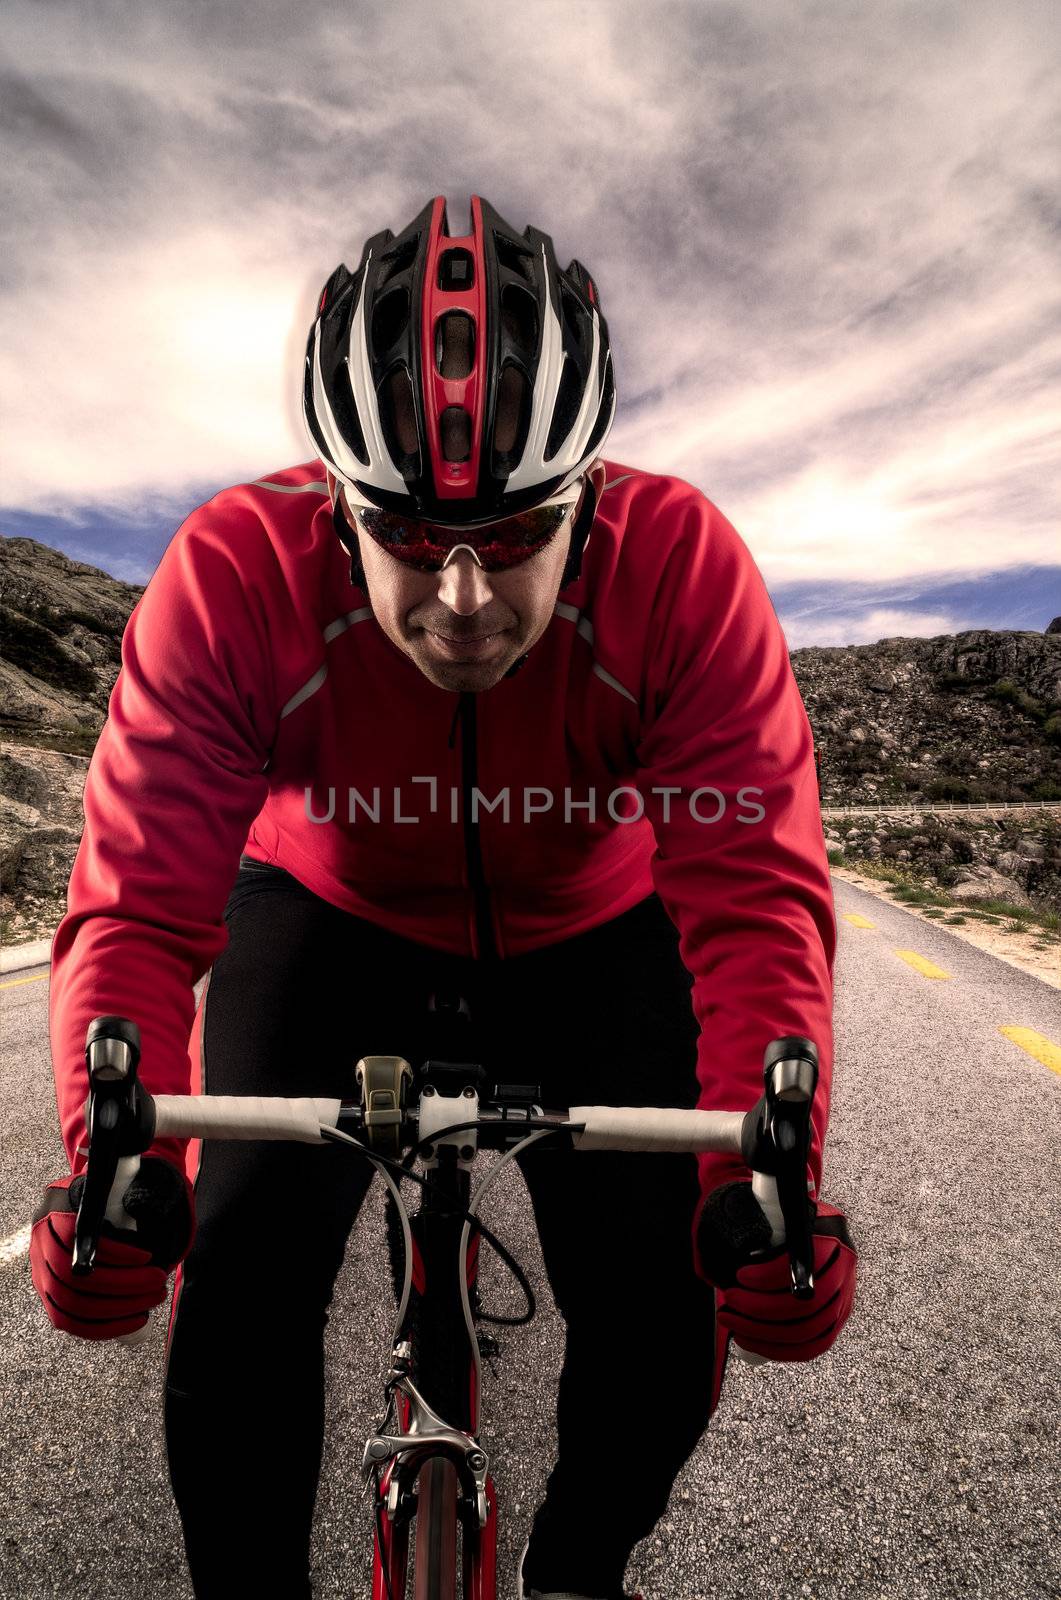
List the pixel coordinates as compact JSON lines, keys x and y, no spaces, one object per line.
{"x":741,"y":865}
{"x":175,"y":780}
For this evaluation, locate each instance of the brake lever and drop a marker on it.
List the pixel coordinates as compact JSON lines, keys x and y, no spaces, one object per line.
{"x":775,"y":1144}
{"x":120,"y":1117}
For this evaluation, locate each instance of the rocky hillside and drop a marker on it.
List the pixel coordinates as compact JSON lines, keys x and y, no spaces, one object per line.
{"x":40,"y":827}
{"x":968,"y":716}
{"x":974,"y":716}
{"x":61,"y":627}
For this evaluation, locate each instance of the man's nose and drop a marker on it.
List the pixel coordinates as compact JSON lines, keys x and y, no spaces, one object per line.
{"x":463,"y":585}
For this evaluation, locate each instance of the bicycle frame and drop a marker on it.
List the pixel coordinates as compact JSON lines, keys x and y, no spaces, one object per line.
{"x":436,"y":1379}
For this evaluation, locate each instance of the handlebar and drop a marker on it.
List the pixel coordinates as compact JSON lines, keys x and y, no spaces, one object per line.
{"x":773,"y":1138}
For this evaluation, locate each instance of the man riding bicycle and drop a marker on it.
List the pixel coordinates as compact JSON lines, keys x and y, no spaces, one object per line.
{"x":457,"y":701}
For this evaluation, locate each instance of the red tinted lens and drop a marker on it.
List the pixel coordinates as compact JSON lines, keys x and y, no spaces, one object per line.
{"x":426,"y":545}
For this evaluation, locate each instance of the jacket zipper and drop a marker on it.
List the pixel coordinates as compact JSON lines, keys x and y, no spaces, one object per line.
{"x":473,"y":850}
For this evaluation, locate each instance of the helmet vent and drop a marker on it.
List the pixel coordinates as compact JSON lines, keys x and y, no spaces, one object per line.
{"x":512,"y":417}
{"x":454,"y":346}
{"x":398,"y":413}
{"x":456,"y":428}
{"x":341,"y":398}
{"x":390,"y":319}
{"x":519,"y":318}
{"x":393,"y":262}
{"x":576,"y":318}
{"x":517,"y":258}
{"x":568,"y":399}
{"x":456,"y":271}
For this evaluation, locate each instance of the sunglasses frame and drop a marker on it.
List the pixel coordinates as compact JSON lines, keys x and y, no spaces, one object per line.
{"x":355,"y":503}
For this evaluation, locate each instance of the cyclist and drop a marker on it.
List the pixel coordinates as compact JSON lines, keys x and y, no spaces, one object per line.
{"x":456,"y":700}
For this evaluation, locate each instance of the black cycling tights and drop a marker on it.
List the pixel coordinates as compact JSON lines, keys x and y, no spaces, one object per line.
{"x":301,"y":991}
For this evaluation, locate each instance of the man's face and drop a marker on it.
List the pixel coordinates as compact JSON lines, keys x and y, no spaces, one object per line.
{"x":464,"y":627}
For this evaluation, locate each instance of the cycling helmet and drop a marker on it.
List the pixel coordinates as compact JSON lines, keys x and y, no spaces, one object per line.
{"x":460,"y":379}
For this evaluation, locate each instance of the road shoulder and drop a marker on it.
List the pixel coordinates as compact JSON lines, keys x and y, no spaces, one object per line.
{"x":1016,"y":949}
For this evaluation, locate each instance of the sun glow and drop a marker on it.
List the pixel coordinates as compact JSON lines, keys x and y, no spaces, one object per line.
{"x":799,"y":530}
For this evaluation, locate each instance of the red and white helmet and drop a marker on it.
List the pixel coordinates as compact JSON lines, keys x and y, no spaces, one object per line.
{"x":459,"y":379}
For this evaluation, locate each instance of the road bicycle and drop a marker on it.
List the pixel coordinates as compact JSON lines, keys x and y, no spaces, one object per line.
{"x":427,"y":1471}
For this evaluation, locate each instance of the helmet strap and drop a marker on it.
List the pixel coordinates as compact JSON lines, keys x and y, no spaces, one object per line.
{"x":580,"y":535}
{"x":348,"y":540}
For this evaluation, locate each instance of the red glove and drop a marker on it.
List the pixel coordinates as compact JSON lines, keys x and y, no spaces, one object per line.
{"x":129,"y":1277}
{"x":755,"y":1304}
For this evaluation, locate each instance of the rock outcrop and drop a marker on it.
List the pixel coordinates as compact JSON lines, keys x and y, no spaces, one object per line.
{"x":61,"y":625}
{"x":41,"y":821}
{"x":970,"y":716}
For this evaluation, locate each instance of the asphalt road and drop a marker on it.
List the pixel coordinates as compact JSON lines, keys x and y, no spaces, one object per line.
{"x":917,"y":1459}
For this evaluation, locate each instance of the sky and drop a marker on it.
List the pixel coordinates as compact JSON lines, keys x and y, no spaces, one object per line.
{"x":825,"y":238}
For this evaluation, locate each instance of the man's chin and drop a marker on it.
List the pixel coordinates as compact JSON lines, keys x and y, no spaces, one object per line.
{"x":471,"y":679}
{"x":464,"y":676}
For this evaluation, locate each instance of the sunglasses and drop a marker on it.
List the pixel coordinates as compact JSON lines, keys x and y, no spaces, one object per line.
{"x":496,"y":546}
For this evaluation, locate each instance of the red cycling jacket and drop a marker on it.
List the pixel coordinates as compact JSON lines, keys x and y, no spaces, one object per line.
{"x":654,"y":738}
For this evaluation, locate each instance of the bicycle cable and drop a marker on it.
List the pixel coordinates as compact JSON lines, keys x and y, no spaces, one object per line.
{"x":495,"y":1244}
{"x":469,"y":1322}
{"x":387,"y":1165}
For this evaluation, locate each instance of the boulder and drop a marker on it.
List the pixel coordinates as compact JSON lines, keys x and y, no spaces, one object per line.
{"x":986,"y":883}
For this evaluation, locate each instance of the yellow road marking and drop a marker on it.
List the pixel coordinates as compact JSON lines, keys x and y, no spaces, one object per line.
{"x":1037,"y":1045}
{"x":919,"y":964}
{"x":856,"y":921}
{"x":13,"y":983}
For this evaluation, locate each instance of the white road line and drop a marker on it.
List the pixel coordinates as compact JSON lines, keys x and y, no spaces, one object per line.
{"x":15,"y":1246}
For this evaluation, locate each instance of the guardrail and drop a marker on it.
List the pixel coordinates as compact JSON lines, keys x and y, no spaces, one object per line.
{"x":946,"y":805}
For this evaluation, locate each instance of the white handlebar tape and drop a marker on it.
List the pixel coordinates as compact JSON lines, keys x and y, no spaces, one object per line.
{"x":656,"y":1128}
{"x":237,"y":1116}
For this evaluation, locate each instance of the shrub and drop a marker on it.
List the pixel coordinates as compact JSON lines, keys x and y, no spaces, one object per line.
{"x":947,"y":789}
{"x":1003,"y":908}
{"x":1006,"y":692}
{"x":951,"y":681}
{"x":915,"y":894}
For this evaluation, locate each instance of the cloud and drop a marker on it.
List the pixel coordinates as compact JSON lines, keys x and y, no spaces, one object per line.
{"x":868,"y":627}
{"x":825,"y":237}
